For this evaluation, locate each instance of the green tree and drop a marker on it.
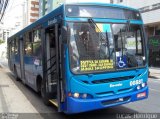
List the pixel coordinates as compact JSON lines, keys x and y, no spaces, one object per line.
{"x":1,"y":41}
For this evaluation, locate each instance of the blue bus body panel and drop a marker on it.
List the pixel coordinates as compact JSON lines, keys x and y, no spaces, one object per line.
{"x":102,"y":20}
{"x":105,"y":89}
{"x":75,"y":84}
{"x":83,"y":105}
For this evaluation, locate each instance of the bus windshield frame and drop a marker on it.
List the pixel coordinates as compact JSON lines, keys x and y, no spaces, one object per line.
{"x":107,"y":12}
{"x":116,"y":54}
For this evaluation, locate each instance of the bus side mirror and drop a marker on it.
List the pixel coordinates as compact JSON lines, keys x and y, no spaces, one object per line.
{"x":64,"y":34}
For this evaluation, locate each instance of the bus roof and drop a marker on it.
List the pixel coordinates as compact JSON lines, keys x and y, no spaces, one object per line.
{"x":104,"y":4}
{"x":60,"y":10}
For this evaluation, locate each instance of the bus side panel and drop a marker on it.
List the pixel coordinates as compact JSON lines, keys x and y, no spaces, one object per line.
{"x":17,"y":64}
{"x":28,"y":67}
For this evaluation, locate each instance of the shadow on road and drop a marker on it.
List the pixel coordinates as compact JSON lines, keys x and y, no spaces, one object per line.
{"x":50,"y":112}
{"x":154,"y":77}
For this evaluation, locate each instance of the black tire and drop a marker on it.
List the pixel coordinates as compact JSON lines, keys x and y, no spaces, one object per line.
{"x":44,"y":94}
{"x":15,"y":74}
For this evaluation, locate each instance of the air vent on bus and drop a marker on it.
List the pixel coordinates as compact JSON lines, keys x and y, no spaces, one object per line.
{"x":109,"y":102}
{"x":105,"y":93}
{"x":112,"y":80}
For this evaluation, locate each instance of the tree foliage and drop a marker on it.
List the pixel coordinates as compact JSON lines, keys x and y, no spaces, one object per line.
{"x":1,"y":41}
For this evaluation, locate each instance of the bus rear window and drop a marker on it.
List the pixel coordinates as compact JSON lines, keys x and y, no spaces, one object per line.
{"x":101,"y":12}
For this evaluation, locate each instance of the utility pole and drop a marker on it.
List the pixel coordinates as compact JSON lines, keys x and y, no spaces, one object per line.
{"x":44,"y":10}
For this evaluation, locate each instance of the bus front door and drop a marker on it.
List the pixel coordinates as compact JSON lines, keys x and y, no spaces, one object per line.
{"x":21,"y":44}
{"x":52,"y":67}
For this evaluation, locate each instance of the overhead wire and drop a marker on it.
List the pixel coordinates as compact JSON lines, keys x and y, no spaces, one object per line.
{"x":3,"y":6}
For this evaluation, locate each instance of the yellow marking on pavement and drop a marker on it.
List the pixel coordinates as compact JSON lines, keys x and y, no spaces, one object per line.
{"x":54,"y":102}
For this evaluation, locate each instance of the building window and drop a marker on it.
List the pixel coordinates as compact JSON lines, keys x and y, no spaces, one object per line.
{"x":144,"y":9}
{"x":119,"y":1}
{"x":156,"y":6}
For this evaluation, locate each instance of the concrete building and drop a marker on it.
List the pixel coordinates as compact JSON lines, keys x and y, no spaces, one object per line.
{"x":150,"y":10}
{"x":4,"y":34}
{"x":32,"y":11}
{"x":19,"y":14}
{"x":22,"y":14}
{"x":47,"y":6}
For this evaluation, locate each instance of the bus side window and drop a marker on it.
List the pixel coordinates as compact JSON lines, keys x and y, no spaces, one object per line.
{"x":16,"y":46}
{"x":139,"y":42}
{"x":12,"y":47}
{"x":28,"y":44}
{"x":37,"y":48}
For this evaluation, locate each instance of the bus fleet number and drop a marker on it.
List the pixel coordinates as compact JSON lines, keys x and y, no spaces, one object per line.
{"x":136,"y":82}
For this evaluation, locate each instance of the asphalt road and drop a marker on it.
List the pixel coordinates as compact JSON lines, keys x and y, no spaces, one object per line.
{"x":25,"y":103}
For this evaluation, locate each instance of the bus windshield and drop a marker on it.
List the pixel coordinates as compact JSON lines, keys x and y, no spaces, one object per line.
{"x":101,"y":47}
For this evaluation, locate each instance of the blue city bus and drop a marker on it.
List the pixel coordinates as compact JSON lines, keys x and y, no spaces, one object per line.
{"x":82,"y":57}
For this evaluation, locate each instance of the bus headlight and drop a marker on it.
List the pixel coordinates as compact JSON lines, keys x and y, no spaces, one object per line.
{"x":80,"y":95}
{"x":84,"y":95}
{"x":138,"y":87}
{"x":143,"y":85}
{"x":76,"y":95}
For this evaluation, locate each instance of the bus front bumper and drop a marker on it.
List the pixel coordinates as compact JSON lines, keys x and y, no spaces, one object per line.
{"x":75,"y":105}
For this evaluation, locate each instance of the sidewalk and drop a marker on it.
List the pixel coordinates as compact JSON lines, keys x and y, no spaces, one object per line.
{"x":154,"y":72}
{"x":12,"y":98}
{"x":4,"y":62}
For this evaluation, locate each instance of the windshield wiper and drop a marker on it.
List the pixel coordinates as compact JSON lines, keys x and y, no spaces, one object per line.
{"x":94,"y":25}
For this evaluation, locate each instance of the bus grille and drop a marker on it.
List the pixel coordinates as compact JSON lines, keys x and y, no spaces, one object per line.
{"x":112,"y":80}
{"x":109,"y":102}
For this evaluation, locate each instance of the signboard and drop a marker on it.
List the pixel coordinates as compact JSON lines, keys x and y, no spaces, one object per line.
{"x":94,"y":65}
{"x":154,"y":43}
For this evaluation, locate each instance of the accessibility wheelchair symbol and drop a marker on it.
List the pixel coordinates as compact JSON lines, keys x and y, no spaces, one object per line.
{"x":121,"y":62}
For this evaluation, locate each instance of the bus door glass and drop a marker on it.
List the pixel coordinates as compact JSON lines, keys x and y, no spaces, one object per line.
{"x":21,"y":59}
{"x":51,"y":61}
{"x":28,"y":58}
{"x":53,"y":54}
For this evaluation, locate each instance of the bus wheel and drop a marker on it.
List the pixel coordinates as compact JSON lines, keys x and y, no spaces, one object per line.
{"x":15,"y":73}
{"x":44,"y":95}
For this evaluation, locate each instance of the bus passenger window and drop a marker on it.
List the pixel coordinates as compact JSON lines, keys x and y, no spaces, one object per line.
{"x":16,"y":46}
{"x":36,"y":36}
{"x":12,"y":48}
{"x":28,"y":49}
{"x":28,"y":44}
{"x":37,"y":49}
